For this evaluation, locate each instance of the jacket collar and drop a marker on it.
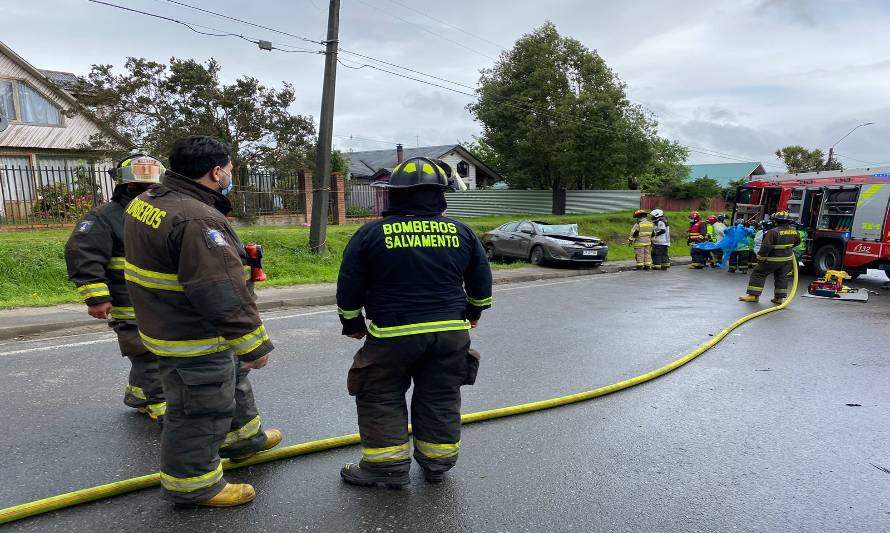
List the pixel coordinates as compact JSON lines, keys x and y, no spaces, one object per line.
{"x":189,"y":187}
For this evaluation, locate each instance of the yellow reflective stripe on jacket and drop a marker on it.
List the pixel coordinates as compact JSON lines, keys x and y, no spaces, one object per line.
{"x":136,"y":392}
{"x":382,"y":455}
{"x":93,"y":290}
{"x":249,"y":342}
{"x":414,"y":329}
{"x":779,"y":259}
{"x":123,"y":313}
{"x":151,"y":279}
{"x":117,"y":263}
{"x":437,"y":451}
{"x":191,"y":484}
{"x":349,"y":314}
{"x":479,"y":303}
{"x":243,"y":433}
{"x":187,"y":348}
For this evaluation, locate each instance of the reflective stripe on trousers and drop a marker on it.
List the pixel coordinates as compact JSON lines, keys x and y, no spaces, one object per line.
{"x":412,"y":329}
{"x":191,"y":484}
{"x":243,"y":433}
{"x":384,"y":455}
{"x":437,"y":451}
{"x":136,"y":392}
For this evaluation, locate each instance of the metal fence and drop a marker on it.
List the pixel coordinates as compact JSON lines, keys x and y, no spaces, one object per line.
{"x":269,"y":193}
{"x":50,"y":195}
{"x":362,"y":200}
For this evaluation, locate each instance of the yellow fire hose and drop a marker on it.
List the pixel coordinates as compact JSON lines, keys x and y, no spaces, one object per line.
{"x":17,"y":512}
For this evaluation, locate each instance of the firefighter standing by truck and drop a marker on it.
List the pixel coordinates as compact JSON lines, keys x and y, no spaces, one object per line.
{"x":774,"y":257}
{"x":697,"y":234}
{"x":94,"y":255}
{"x":423,"y":280}
{"x":186,"y":276}
{"x":661,"y":241}
{"x":641,"y":239}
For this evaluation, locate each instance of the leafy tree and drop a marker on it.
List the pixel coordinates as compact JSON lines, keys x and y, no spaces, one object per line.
{"x":484,"y":152}
{"x":666,"y":168}
{"x":703,"y":187}
{"x":557,"y":117}
{"x":155,"y":104}
{"x":799,"y":159}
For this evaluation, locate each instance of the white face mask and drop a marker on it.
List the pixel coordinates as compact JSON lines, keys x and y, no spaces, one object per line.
{"x":225,"y":190}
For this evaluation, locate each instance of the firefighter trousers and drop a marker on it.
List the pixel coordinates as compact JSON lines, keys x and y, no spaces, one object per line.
{"x":660,"y":258}
{"x":144,"y":382}
{"x":779,"y":268}
{"x":211,"y":413}
{"x":738,"y":260}
{"x":643,"y":255}
{"x":383,"y":370}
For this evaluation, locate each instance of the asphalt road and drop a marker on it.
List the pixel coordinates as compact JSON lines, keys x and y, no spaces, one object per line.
{"x":755,"y":435}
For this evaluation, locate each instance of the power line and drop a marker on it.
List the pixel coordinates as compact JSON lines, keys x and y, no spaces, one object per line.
{"x":452,"y":26}
{"x":221,"y":15}
{"x":522,"y":106}
{"x":427,"y":30}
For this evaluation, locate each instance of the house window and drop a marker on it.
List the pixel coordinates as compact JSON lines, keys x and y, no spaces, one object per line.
{"x":21,"y":102}
{"x":463,"y":169}
{"x":7,"y":100}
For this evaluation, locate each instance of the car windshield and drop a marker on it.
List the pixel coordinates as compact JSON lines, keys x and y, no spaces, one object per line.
{"x":558,"y":229}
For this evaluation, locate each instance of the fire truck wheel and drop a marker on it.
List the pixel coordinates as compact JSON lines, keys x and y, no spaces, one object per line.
{"x":828,"y":257}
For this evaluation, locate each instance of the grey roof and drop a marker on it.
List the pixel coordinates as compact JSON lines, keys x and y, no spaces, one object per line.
{"x":368,"y":163}
{"x":65,"y":80}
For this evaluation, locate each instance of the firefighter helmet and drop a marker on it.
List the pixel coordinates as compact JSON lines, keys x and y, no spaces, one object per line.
{"x":694,"y":216}
{"x":721,"y":217}
{"x":712,"y":219}
{"x":415,"y":172}
{"x":656,"y":213}
{"x":640,"y":213}
{"x":138,"y":168}
{"x":781,"y":216}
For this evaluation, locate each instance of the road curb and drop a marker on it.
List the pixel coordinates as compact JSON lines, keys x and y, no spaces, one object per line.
{"x":312,"y":300}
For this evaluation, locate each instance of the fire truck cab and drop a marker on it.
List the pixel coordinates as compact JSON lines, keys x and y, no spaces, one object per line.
{"x":844,"y":214}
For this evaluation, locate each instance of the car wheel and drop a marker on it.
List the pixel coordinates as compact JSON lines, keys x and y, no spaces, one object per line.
{"x":489,"y":252}
{"x":537,"y":256}
{"x":827,"y":258}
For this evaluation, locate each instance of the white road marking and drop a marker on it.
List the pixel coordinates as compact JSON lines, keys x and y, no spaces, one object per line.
{"x":267,"y":319}
{"x":57,"y":346}
{"x":44,"y":339}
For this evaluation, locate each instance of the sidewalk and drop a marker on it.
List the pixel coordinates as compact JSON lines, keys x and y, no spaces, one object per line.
{"x":33,"y":320}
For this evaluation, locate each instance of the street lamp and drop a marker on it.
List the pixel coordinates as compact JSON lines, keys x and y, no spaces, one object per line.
{"x":831,"y":148}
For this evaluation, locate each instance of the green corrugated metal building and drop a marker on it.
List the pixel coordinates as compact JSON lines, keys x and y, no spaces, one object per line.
{"x":724,"y":173}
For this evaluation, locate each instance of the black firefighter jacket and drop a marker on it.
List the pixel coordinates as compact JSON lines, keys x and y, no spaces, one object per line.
{"x":413,"y":274}
{"x":186,"y":275}
{"x":94,"y":255}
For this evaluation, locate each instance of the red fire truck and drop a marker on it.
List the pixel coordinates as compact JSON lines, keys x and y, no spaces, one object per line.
{"x":843,"y":212}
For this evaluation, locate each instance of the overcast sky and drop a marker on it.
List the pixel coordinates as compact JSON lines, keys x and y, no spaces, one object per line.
{"x":740,"y":77}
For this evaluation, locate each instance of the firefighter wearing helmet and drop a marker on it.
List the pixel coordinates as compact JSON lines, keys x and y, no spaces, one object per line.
{"x":697,"y":233}
{"x":661,"y":240}
{"x":187,"y":276}
{"x":774,"y":257}
{"x":715,"y":231}
{"x":422,"y":280}
{"x":94,"y":255}
{"x":641,"y":239}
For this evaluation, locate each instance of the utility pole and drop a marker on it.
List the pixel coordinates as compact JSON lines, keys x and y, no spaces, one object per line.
{"x":321,"y":180}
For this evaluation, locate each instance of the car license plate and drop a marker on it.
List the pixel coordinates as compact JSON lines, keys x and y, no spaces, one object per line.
{"x":590,"y":252}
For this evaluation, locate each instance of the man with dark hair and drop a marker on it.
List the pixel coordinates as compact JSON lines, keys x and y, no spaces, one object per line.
{"x":423,"y":280}
{"x":186,"y":276}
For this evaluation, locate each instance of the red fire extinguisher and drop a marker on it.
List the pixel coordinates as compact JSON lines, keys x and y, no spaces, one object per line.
{"x":255,"y":256}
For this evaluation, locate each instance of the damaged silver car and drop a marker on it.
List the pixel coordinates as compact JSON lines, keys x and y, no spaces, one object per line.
{"x":542,"y":242}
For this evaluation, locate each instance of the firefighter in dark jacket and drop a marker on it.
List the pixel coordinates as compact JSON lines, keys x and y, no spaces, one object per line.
{"x":196,"y":312}
{"x":95,"y":257}
{"x":423,"y":280}
{"x":774,"y":257}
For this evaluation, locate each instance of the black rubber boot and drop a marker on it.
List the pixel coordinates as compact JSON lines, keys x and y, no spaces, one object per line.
{"x":433,"y":477}
{"x":354,"y":474}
